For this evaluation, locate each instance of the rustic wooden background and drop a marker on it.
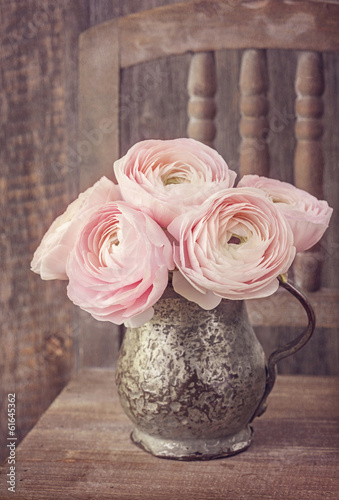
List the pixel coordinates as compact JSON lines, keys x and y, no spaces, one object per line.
{"x":41,"y":342}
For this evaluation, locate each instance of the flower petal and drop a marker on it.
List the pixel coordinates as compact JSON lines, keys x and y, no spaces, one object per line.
{"x":233,"y":246}
{"x":207,"y":300}
{"x":166,"y":178}
{"x":308,"y":217}
{"x":49,"y":260}
{"x":119,"y":266}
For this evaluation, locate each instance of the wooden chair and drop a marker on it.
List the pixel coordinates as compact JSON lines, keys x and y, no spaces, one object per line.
{"x":202,"y":27}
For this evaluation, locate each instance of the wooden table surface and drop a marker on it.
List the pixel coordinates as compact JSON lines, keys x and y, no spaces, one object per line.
{"x":80,"y":449}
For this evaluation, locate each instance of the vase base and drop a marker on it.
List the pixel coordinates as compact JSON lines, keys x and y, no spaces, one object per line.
{"x":193,"y":449}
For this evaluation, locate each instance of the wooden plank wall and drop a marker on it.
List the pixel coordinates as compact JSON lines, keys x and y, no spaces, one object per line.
{"x":38,"y":96}
{"x":41,"y":344}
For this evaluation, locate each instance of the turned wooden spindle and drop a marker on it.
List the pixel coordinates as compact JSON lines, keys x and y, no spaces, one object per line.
{"x":309,"y":158}
{"x":201,"y":106}
{"x":254,"y":156}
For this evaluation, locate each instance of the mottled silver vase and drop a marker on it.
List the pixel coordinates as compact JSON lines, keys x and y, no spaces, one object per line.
{"x":192,"y":380}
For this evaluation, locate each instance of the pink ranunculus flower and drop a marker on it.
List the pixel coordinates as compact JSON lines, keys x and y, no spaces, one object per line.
{"x":50,"y":258}
{"x":308,"y":217}
{"x":168,"y":177}
{"x":233,"y":246}
{"x":119,"y":266}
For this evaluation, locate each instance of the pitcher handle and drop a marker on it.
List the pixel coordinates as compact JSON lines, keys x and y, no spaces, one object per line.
{"x":288,"y":349}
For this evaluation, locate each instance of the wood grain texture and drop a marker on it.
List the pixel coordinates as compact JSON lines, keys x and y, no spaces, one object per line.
{"x":36,"y":341}
{"x":101,"y":10}
{"x":81,"y":449}
{"x":254,"y":155}
{"x":201,"y":107}
{"x":329,"y":245}
{"x":282,"y":309}
{"x":99,"y":82}
{"x":319,"y":355}
{"x":286,"y":24}
{"x":309,"y":156}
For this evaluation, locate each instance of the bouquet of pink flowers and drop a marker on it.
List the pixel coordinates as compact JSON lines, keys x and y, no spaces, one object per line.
{"x":175,"y":214}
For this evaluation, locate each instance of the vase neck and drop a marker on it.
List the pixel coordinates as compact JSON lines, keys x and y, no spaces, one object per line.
{"x":175,"y":306}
